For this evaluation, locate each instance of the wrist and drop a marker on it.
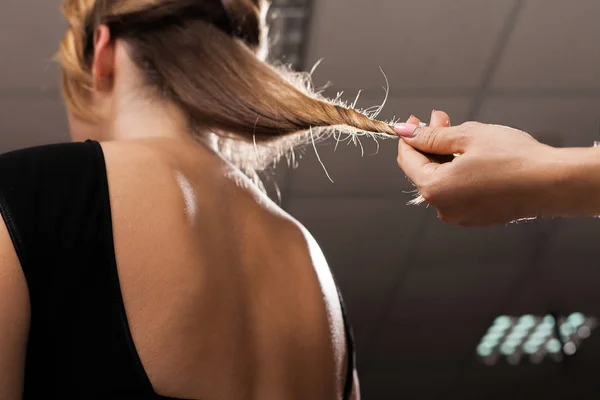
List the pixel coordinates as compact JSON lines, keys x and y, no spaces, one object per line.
{"x":573,"y":179}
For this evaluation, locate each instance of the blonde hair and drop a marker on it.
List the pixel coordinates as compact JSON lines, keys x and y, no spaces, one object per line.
{"x":207,"y":56}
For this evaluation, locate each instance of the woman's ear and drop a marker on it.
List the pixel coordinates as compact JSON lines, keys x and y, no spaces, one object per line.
{"x":103,"y":67}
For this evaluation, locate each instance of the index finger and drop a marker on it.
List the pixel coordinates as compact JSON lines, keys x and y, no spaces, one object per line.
{"x":415,"y":165}
{"x":404,"y":153}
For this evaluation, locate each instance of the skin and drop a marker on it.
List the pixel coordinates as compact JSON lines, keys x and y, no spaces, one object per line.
{"x":501,"y":175}
{"x":14,"y":319}
{"x":227,"y":296}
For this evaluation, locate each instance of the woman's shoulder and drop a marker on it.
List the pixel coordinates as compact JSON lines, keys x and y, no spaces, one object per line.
{"x":48,"y":157}
{"x":43,"y":179}
{"x":198,"y":190}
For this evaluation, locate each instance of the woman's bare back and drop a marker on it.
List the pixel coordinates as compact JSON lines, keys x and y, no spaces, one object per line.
{"x":227,"y":297}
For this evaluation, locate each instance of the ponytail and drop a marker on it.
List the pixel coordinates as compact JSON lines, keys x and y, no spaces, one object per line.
{"x":212,"y":73}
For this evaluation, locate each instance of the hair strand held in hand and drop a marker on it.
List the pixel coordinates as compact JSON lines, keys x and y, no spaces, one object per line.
{"x":216,"y":73}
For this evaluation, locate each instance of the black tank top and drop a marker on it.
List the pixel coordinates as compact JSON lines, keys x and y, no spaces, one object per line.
{"x":55,"y":202}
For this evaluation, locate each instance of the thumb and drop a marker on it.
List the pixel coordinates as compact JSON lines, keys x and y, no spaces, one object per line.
{"x":438,"y":140}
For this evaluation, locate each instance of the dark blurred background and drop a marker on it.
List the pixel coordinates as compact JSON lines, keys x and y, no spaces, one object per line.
{"x":422,"y":295}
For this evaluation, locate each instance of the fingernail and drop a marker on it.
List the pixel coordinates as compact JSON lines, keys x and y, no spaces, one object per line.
{"x":448,"y":123}
{"x":407,"y":130}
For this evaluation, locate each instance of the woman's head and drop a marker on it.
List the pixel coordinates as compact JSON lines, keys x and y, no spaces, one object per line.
{"x":155,"y":43}
{"x":202,"y":58}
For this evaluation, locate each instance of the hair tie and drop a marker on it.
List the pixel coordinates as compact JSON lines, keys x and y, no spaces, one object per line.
{"x":159,"y":16}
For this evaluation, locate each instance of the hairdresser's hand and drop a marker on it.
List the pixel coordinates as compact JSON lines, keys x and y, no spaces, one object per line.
{"x":500,"y":175}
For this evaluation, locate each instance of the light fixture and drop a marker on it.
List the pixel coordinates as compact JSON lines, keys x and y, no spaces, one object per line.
{"x":534,"y":337}
{"x":288,"y":22}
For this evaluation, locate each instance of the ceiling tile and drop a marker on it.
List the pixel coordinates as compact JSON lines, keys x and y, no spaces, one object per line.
{"x":434,"y":339}
{"x":569,"y":279}
{"x":469,"y":272}
{"x":574,"y":292}
{"x":444,"y":246}
{"x":555,"y":45}
{"x":482,"y":304}
{"x":416,"y":43}
{"x":30,"y":121}
{"x":575,"y":241}
{"x":375,"y":172}
{"x":31,"y":31}
{"x":462,"y":272}
{"x":562,"y":276}
{"x":456,"y":280}
{"x":526,"y":295}
{"x":522,"y":386}
{"x":365,"y":242}
{"x":560,"y":121}
{"x":509,"y":379}
{"x":397,"y":381}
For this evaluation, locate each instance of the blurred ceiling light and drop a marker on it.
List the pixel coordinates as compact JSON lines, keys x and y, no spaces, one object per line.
{"x":584,"y":332}
{"x":534,"y":336}
{"x":569,"y":348}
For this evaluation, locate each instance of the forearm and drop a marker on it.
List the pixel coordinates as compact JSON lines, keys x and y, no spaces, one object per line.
{"x":574,"y":183}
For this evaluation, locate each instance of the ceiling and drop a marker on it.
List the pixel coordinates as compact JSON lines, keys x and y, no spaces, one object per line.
{"x":420,"y":293}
